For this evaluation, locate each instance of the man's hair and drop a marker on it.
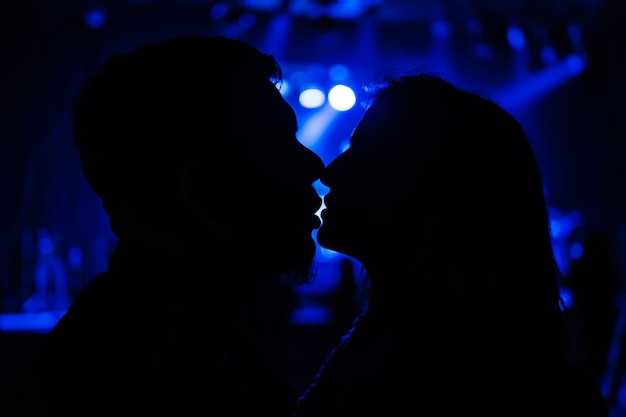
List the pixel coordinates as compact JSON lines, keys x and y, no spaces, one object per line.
{"x":141,"y":117}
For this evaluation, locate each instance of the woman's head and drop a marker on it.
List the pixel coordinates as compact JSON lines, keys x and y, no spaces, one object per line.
{"x":444,"y":181}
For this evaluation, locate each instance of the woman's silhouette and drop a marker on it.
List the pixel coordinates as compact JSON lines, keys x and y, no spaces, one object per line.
{"x":440,"y":198}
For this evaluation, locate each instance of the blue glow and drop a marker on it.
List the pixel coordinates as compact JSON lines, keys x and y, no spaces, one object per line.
{"x":549,"y":55}
{"x":341,"y":97}
{"x":45,"y":246}
{"x":277,"y":34}
{"x":219,"y":11}
{"x":310,"y":315}
{"x":315,"y":126}
{"x":576,"y":250}
{"x":515,"y":37}
{"x":567,"y":298}
{"x":540,"y":83}
{"x":75,"y":257}
{"x":575,"y":34}
{"x":563,"y":224}
{"x":440,"y":29}
{"x":284,"y":87}
{"x":95,"y":18}
{"x":575,"y":63}
{"x":320,"y":188}
{"x":555,"y":227}
{"x":40,"y":322}
{"x":247,"y":21}
{"x":338,"y":72}
{"x":265,"y":5}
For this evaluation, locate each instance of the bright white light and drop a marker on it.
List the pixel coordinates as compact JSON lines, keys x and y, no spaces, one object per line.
{"x":341,"y":97}
{"x":312,"y":98}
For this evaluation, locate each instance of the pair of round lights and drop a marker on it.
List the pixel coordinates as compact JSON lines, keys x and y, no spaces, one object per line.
{"x":340,"y":97}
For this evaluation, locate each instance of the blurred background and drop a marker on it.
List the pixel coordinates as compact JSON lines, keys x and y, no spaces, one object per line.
{"x":559,"y":66}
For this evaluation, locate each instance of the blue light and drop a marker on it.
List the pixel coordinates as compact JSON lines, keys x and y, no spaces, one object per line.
{"x":284,"y":87}
{"x":575,"y":63}
{"x":542,"y":82}
{"x":320,"y":188}
{"x":576,"y":250}
{"x":219,"y":11}
{"x":75,"y":257}
{"x":338,"y":72}
{"x":567,"y":299}
{"x":515,"y":36}
{"x":45,"y":246}
{"x":95,"y":18}
{"x":310,"y":315}
{"x":575,"y":34}
{"x":440,"y":29}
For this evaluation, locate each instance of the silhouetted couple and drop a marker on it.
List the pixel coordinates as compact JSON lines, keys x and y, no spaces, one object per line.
{"x":194,"y":154}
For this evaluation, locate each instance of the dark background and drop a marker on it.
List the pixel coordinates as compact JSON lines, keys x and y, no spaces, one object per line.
{"x":566,"y":85}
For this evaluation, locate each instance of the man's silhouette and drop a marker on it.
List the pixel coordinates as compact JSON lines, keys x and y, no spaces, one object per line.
{"x":193,"y":151}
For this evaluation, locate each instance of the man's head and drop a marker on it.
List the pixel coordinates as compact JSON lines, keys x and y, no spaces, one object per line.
{"x":189,"y":137}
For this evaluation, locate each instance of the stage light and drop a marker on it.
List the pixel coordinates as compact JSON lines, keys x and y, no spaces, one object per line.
{"x":341,"y":97}
{"x":312,"y":98}
{"x":219,"y":11}
{"x":338,"y":72}
{"x":95,"y":18}
{"x":515,"y":37}
{"x":576,"y":250}
{"x":441,"y":29}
